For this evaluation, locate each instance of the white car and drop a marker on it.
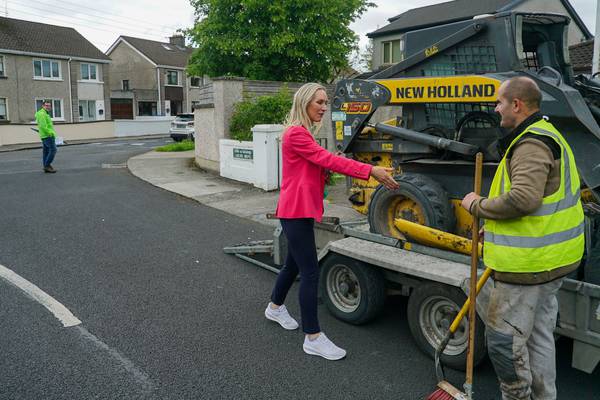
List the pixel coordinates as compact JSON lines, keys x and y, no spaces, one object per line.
{"x":182,"y":127}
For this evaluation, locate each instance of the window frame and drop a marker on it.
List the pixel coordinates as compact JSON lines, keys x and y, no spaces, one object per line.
{"x":167,"y":73}
{"x":45,"y":78}
{"x":87,"y":106}
{"x":5,"y":109}
{"x":53,"y":117}
{"x":123,"y":85}
{"x":192,"y":80}
{"x":3,"y":64}
{"x":89,"y":69}
{"x":153,"y":108}
{"x":390,"y":52}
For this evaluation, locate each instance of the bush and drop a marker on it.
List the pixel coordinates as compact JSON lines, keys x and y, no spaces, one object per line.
{"x":262,"y":110}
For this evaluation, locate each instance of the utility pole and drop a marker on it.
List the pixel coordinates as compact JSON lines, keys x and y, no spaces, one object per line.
{"x":596,"y":56}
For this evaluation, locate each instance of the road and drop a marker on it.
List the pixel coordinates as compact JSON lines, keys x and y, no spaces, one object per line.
{"x":164,"y":313}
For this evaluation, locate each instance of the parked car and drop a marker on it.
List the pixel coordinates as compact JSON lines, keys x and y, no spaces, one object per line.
{"x":182,"y":127}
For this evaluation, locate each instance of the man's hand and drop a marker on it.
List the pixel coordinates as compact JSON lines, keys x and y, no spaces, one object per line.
{"x":383,"y":176}
{"x":468,"y":201}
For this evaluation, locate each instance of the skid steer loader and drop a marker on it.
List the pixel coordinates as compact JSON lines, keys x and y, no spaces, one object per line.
{"x":442,"y":98}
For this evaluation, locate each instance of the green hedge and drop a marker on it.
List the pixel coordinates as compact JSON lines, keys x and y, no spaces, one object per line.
{"x":261,"y":110}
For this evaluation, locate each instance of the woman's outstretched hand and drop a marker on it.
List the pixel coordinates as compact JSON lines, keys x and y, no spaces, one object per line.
{"x":383,"y":176}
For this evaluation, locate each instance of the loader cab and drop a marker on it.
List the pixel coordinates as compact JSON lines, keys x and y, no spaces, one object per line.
{"x":541,"y":43}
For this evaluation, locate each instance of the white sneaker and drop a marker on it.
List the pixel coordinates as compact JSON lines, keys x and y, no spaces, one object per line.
{"x":281,"y":316}
{"x":323,"y":347}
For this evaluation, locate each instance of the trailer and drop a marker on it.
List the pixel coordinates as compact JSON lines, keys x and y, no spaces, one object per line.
{"x":360,"y":268}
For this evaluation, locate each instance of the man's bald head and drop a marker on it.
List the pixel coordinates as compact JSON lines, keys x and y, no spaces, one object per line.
{"x":524,"y":89}
{"x":518,"y":98}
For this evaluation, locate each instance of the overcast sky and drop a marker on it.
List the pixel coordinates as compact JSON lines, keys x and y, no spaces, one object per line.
{"x":102,"y":21}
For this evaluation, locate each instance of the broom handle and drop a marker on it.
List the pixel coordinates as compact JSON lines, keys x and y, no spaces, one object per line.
{"x":473,"y":282}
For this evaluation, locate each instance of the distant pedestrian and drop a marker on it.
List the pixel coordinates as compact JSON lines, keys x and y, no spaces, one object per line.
{"x":305,"y":166}
{"x":48,"y":136}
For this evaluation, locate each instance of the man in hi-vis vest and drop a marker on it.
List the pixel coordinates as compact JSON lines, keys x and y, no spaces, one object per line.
{"x":533,"y":236}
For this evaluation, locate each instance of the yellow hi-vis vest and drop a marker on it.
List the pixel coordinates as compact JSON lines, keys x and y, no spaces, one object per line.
{"x":549,"y":238}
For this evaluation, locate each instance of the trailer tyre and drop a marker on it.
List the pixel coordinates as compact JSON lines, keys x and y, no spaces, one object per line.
{"x":419,"y":199}
{"x":431,"y":310}
{"x":353,"y":291}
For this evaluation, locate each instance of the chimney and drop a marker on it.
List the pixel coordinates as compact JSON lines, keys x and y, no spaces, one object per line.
{"x":177,"y":40}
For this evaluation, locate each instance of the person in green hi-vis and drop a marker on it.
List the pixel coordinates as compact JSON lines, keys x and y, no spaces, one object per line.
{"x":48,"y":136}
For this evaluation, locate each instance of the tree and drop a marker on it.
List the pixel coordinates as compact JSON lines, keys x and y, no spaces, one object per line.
{"x":285,"y":40}
{"x":366,"y":56}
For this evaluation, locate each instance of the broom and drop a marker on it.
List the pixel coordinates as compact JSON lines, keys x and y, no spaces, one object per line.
{"x":445,"y":390}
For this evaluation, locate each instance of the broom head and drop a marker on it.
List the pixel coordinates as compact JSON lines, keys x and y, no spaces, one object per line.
{"x":446,"y":391}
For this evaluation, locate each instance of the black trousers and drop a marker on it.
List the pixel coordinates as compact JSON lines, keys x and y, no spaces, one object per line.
{"x":301,"y":258}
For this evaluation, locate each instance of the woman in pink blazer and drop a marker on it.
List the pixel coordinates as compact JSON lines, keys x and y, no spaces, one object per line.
{"x":301,"y":203}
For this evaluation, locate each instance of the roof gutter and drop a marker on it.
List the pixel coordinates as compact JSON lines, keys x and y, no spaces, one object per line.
{"x":34,"y":54}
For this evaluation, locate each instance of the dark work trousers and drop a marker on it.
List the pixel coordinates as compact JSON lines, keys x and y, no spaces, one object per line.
{"x":302,"y":258}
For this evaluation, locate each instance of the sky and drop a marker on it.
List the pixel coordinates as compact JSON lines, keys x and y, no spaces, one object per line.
{"x":102,"y":21}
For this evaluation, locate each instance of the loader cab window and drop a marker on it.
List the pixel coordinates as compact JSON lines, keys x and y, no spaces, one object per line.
{"x":541,"y":42}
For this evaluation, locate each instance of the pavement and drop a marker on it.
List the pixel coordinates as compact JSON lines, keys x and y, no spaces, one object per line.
{"x":177,"y":172}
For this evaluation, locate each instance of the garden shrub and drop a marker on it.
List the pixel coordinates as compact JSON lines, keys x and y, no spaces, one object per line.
{"x":269,"y":109}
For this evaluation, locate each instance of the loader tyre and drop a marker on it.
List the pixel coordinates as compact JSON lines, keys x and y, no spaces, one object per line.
{"x":431,"y":310}
{"x":352,"y":291}
{"x":419,"y":199}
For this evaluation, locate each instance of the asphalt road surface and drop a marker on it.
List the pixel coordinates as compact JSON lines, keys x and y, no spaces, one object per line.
{"x":164,"y":313}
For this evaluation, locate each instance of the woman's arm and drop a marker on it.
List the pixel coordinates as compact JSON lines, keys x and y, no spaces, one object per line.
{"x":304,"y":145}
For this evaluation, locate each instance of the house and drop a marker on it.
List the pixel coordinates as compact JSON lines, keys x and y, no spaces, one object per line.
{"x":41,"y":61}
{"x":388,"y":41}
{"x":581,"y":55}
{"x":148,"y":78}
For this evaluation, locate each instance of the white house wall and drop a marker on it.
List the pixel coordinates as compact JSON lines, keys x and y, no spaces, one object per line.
{"x":90,"y":91}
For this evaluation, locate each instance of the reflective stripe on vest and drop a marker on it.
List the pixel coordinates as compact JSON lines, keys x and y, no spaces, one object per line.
{"x":550,"y":237}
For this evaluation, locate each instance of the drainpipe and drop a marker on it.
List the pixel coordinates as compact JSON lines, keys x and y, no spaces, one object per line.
{"x":70,"y":88}
{"x":158,"y":107}
{"x":596,"y":54}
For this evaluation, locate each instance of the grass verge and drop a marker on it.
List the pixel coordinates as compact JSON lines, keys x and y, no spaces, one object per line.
{"x":184,"y":145}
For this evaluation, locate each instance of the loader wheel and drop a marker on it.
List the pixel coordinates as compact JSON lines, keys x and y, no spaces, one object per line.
{"x":352,"y":291}
{"x":431,"y":310}
{"x":419,"y":199}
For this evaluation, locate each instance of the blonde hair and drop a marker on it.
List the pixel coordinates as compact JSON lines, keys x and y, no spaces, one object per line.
{"x":298,"y":114}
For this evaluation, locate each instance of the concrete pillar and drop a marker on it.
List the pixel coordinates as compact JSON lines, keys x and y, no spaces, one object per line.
{"x":215,"y":125}
{"x":266,"y":156}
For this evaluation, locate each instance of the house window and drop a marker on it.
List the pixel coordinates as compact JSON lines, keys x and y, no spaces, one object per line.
{"x":87,"y":110}
{"x":195,"y":81}
{"x":2,"y":73}
{"x":172,"y":78}
{"x":393,"y":51}
{"x":3,"y":110}
{"x":46,"y":69}
{"x":89,"y":72}
{"x":125,"y":85}
{"x":57,"y":108}
{"x":147,"y":108}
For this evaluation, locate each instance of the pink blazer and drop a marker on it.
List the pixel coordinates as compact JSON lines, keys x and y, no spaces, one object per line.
{"x":304,"y":173}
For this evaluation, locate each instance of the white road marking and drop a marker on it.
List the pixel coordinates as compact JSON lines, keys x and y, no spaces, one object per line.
{"x":61,"y":312}
{"x":140,"y":376}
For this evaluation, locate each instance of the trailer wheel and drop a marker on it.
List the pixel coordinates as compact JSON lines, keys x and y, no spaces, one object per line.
{"x":431,"y":310}
{"x":352,"y":291}
{"x":419,"y":199}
